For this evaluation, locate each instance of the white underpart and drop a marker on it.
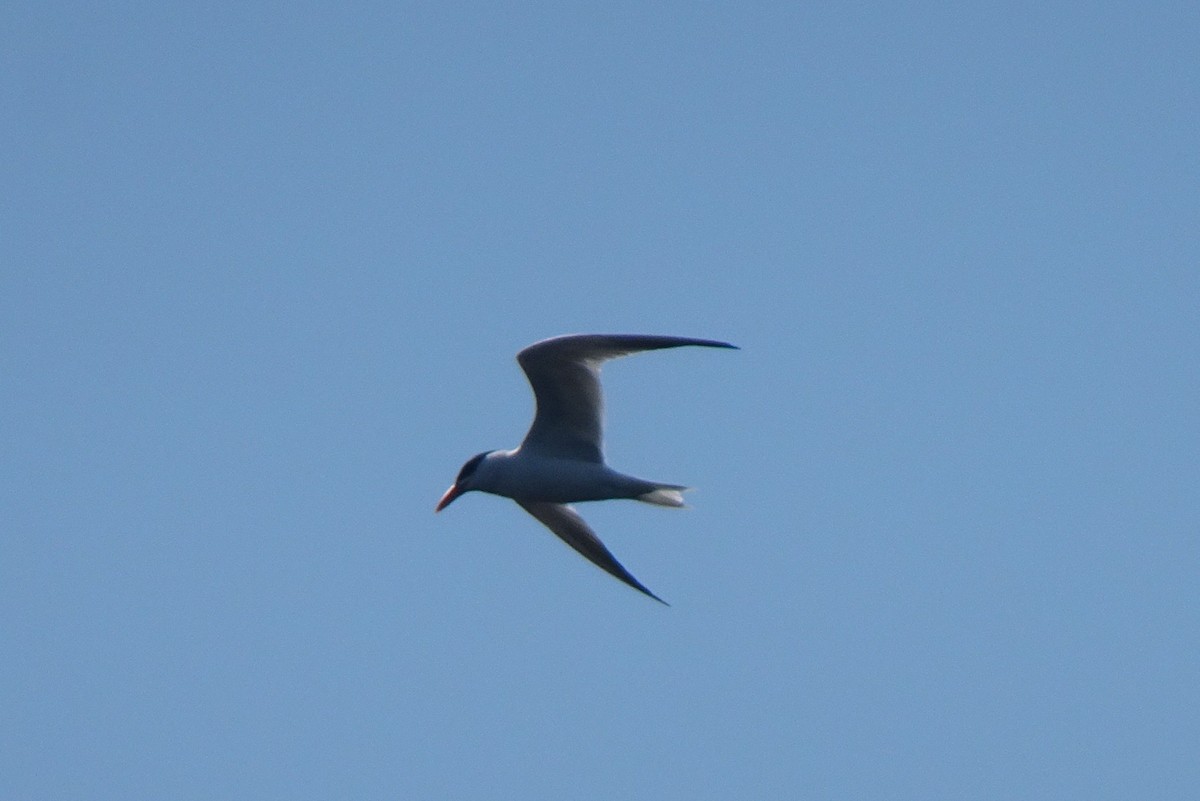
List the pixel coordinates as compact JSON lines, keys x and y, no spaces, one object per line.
{"x":664,"y":497}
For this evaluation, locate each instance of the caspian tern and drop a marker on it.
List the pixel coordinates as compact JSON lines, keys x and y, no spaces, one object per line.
{"x":561,"y":460}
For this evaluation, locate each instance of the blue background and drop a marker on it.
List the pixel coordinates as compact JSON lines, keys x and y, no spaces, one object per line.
{"x":264,"y":270}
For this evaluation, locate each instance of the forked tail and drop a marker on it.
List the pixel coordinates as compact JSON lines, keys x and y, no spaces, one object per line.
{"x":665,"y":495}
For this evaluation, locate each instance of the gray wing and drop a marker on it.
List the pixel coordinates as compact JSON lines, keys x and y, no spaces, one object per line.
{"x":565,"y":375}
{"x":566,"y":523}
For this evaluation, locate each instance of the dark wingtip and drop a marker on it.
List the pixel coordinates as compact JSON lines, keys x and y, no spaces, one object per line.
{"x":645,"y":591}
{"x":713,"y":343}
{"x":640,"y":587}
{"x":618,"y":571}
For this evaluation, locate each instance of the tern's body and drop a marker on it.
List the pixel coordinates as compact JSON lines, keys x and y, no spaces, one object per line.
{"x":528,"y":476}
{"x":561,"y":460}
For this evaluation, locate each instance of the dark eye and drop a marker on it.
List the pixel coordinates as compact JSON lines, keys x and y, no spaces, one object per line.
{"x":470,"y":467}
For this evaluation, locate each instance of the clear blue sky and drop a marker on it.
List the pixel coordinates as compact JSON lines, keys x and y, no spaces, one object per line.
{"x":263,"y":272}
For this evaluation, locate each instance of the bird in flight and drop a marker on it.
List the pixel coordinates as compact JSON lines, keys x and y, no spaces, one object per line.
{"x":561,"y":460}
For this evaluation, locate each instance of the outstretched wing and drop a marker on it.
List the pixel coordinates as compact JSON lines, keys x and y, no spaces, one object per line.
{"x":565,"y":375}
{"x":566,"y":523}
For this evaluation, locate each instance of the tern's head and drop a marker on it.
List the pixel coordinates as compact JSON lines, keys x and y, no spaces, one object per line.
{"x":464,"y":482}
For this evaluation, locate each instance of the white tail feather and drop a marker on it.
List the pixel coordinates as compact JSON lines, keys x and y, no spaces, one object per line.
{"x":665,"y":496}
